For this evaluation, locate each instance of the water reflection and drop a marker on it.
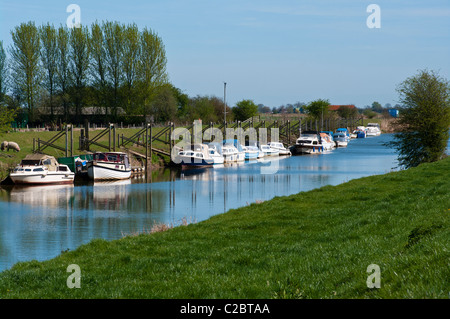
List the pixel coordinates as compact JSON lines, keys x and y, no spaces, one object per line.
{"x":40,"y":222}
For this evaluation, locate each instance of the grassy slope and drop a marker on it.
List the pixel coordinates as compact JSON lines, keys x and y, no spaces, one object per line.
{"x":316,"y":244}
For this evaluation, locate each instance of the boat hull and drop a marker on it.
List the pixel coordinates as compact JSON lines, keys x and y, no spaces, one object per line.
{"x":305,"y":149}
{"x":42,"y":179}
{"x":97,"y":172}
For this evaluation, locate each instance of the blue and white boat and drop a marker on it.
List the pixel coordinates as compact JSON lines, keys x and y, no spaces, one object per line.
{"x":251,"y":152}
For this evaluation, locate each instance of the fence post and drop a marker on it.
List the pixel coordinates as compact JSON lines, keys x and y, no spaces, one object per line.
{"x":71,"y":140}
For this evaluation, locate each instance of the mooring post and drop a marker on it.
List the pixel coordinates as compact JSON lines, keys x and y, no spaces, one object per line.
{"x":114,"y":137}
{"x":67,"y":137}
{"x":109,"y":137}
{"x":146,"y":147}
{"x":71,"y":140}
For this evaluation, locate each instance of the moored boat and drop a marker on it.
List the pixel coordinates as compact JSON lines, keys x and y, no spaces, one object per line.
{"x":341,"y":139}
{"x":251,"y":152}
{"x":308,"y":143}
{"x":109,"y":166}
{"x":280,"y":147}
{"x":39,"y":169}
{"x":373,"y":129}
{"x":327,"y":141}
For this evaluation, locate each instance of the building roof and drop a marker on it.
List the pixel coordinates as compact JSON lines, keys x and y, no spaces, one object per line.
{"x":336,"y":107}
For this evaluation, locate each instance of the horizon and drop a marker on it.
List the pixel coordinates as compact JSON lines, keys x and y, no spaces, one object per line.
{"x":275,"y":53}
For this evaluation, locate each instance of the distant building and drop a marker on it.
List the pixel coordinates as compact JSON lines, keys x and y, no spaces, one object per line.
{"x":336,"y":107}
{"x":393,"y":112}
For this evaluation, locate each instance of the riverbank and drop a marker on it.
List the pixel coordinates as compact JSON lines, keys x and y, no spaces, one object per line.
{"x":9,"y":160}
{"x":316,"y":244}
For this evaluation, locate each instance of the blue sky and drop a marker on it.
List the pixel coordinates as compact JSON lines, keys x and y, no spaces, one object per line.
{"x":275,"y":52}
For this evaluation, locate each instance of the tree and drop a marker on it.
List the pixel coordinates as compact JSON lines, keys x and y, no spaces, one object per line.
{"x":152,"y":67}
{"x":3,"y":72}
{"x":25,"y":60}
{"x":245,"y":109}
{"x":377,"y":107}
{"x":63,"y":77}
{"x":79,"y":64}
{"x":164,"y":105}
{"x":318,"y":109}
{"x":6,"y":117}
{"x":114,"y":34}
{"x":130,"y":63}
{"x":49,"y":52}
{"x":423,"y":125}
{"x":347,"y":112}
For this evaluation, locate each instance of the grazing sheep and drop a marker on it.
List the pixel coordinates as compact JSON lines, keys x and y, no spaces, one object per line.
{"x":4,"y":145}
{"x":10,"y":145}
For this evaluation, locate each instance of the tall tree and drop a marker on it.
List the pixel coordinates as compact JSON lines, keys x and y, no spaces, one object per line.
{"x":79,"y":64}
{"x":63,"y":77}
{"x":98,"y":66}
{"x":26,"y":67}
{"x":130,"y":63}
{"x":114,"y":35}
{"x":49,"y":55}
{"x":152,"y":67}
{"x":3,"y":72}
{"x":423,"y":125}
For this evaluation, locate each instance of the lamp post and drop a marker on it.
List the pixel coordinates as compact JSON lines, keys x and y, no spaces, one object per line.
{"x":224,"y":102}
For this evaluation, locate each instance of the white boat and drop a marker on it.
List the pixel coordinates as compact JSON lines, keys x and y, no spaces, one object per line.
{"x":200,"y":155}
{"x":109,"y":166}
{"x":308,"y":143}
{"x":373,"y":129}
{"x":251,"y":152}
{"x":327,"y":141}
{"x":232,"y":151}
{"x":268,"y":151}
{"x":280,"y":147}
{"x":341,"y":139}
{"x":38,"y":169}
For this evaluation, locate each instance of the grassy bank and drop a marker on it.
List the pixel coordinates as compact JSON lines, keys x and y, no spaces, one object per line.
{"x":316,"y":244}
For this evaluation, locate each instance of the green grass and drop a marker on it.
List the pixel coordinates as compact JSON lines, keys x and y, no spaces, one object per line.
{"x":316,"y":244}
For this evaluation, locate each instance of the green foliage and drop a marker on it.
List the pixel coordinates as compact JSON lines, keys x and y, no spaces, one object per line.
{"x":318,"y":108}
{"x":25,"y":64}
{"x":244,"y":110}
{"x":6,"y":117}
{"x":423,"y":125}
{"x":347,"y":112}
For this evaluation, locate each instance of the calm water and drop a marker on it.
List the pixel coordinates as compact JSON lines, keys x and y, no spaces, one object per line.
{"x":40,"y":222}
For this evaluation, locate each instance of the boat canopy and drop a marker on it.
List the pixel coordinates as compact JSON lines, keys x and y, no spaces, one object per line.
{"x":40,"y":159}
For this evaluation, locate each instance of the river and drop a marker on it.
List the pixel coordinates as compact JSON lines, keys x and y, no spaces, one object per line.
{"x":38,"y":223}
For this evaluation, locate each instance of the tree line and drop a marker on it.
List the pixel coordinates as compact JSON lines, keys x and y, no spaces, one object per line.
{"x":110,"y":67}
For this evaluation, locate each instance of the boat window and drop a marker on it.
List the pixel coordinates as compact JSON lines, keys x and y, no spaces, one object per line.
{"x":40,"y":169}
{"x":28,"y":170}
{"x":63,"y":168}
{"x":47,"y":162}
{"x":199,"y":155}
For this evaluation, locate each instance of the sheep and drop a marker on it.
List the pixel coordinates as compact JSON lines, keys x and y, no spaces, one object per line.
{"x":10,"y":145}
